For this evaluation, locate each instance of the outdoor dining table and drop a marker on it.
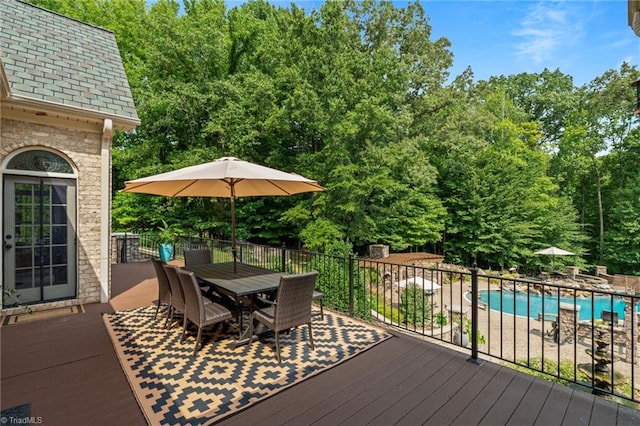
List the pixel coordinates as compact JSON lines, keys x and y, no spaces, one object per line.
{"x":247,"y":281}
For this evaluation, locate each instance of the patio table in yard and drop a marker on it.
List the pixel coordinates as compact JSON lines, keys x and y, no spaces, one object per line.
{"x":247,"y":281}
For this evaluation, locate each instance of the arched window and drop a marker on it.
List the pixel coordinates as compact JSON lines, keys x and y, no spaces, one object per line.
{"x":40,"y":161}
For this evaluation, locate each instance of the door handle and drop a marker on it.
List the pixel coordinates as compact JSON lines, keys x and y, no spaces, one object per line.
{"x":7,"y":246}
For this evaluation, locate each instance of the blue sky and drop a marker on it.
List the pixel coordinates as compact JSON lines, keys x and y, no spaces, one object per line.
{"x":583,"y":38}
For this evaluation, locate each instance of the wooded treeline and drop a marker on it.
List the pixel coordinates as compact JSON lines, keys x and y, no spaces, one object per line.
{"x":358,"y":96}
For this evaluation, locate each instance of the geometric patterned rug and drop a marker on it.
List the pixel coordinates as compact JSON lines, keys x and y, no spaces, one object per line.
{"x":174,"y":387}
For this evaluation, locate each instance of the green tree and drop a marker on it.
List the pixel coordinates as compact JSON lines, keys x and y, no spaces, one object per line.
{"x":599,"y":125}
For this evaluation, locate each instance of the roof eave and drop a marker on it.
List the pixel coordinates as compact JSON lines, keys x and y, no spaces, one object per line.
{"x":120,"y":122}
{"x":5,"y":89}
{"x":632,"y":6}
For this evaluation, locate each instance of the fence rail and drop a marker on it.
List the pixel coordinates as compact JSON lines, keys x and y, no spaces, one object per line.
{"x":579,"y":332}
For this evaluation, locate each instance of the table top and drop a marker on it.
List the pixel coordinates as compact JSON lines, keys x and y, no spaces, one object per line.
{"x":247,"y":279}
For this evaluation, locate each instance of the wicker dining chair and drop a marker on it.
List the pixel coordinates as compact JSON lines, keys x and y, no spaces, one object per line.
{"x":196,"y":310}
{"x":202,"y":257}
{"x":197,"y":257}
{"x":164,"y":289}
{"x":290,"y":309}
{"x":177,"y":294}
{"x":317,"y":297}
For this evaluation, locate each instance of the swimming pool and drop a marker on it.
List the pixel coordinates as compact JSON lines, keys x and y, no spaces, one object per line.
{"x":496,"y":299}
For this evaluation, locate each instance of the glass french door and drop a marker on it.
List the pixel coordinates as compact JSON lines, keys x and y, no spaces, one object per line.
{"x":39,"y":233}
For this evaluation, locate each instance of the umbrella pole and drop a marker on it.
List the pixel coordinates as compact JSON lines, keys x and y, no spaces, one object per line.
{"x":234,"y":249}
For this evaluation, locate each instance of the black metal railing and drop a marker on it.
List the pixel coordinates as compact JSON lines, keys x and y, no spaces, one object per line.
{"x":568,"y":332}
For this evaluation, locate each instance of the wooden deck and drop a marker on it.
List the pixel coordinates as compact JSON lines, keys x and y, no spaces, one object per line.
{"x":67,"y":369}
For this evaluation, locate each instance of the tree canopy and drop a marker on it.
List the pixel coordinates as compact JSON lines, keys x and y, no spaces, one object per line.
{"x":357,"y":95}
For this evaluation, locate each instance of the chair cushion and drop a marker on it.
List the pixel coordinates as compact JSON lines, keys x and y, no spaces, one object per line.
{"x":265,"y":314}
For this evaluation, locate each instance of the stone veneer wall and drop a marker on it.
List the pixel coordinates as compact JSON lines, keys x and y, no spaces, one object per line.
{"x":84,"y":150}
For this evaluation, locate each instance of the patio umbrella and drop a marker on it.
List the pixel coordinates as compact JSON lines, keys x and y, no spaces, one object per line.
{"x":226,"y":177}
{"x":553,"y":252}
{"x":428,"y":285}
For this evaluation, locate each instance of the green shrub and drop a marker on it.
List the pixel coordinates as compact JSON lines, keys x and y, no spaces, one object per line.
{"x":441,"y":319}
{"x":415,"y":305}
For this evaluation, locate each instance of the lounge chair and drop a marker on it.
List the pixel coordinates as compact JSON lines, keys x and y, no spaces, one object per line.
{"x":290,"y":309}
{"x":611,"y":317}
{"x":196,"y":310}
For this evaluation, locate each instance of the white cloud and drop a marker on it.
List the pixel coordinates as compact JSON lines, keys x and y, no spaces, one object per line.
{"x":546,"y":30}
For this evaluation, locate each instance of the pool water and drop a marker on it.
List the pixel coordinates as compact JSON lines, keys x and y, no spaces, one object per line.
{"x":496,"y":300}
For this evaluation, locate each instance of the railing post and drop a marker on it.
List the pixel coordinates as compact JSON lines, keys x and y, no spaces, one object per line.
{"x":351,"y":284}
{"x":125,"y":255}
{"x":283,"y":257}
{"x":474,"y":315}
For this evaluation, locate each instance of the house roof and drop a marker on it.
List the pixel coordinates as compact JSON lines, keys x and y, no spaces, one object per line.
{"x":52,"y":59}
{"x":411,"y":258}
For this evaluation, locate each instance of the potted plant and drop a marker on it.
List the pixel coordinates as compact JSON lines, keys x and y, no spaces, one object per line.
{"x":461,"y":336}
{"x":167,"y":236}
{"x":463,"y":333}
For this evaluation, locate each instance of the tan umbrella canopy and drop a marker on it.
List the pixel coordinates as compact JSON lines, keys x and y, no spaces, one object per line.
{"x":226,"y":177}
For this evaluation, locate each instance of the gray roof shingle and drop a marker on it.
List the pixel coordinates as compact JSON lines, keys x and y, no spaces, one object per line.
{"x":50,"y":57}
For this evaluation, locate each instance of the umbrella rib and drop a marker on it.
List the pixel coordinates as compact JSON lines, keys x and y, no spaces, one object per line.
{"x":291,"y":193}
{"x":231,"y":182}
{"x":279,"y":187}
{"x":183,"y":188}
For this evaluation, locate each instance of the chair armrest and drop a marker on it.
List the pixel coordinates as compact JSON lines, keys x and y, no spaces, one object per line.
{"x":265,"y":301}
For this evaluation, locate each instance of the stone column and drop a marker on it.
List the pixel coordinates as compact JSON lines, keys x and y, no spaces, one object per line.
{"x":572,"y":271}
{"x":630,"y":322}
{"x":568,"y":315}
{"x":601,"y":270}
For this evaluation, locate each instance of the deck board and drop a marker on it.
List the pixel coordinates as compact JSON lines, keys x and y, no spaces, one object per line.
{"x":555,"y":406}
{"x":531,"y":404}
{"x":369,"y":405}
{"x":429,"y":395}
{"x":511,"y":397}
{"x":578,"y":410}
{"x":489,"y":397}
{"x":67,"y":369}
{"x":462,"y":405}
{"x":390,"y":385}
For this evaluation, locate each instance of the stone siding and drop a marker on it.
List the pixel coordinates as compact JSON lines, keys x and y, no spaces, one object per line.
{"x":84,"y":150}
